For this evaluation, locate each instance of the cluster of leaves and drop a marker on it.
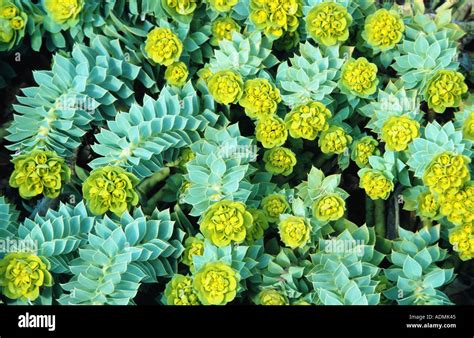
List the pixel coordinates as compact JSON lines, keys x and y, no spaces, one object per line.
{"x":209,"y":152}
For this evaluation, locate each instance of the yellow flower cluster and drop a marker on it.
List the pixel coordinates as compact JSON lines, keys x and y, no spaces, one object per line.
{"x":176,"y":74}
{"x":462,"y":239}
{"x":399,"y":131}
{"x":446,"y":171}
{"x":271,"y":132}
{"x":180,"y":291}
{"x":359,"y":76}
{"x":363,"y":149}
{"x":307,"y":120}
{"x":271,"y":297}
{"x":216,"y":283}
{"x":226,"y":86}
{"x":163,"y":46}
{"x":275,"y":17}
{"x":224,"y":222}
{"x":260,"y":98}
{"x":22,"y":274}
{"x":279,"y":160}
{"x":11,"y":19}
{"x":383,"y":29}
{"x":223,"y":6}
{"x":428,"y":206}
{"x":192,"y":247}
{"x":334,"y":140}
{"x":330,"y":207}
{"x":376,"y":185}
{"x":181,"y":7}
{"x":274,"y":205}
{"x":328,"y":23}
{"x":458,"y":205}
{"x":222,"y":29}
{"x":444,"y":90}
{"x":294,"y":231}
{"x":468,"y":127}
{"x":39,"y":172}
{"x":63,"y":10}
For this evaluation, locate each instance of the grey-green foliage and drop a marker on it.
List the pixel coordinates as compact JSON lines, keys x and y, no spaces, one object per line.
{"x":219,"y":169}
{"x":143,"y":139}
{"x":414,"y":269}
{"x":8,"y":219}
{"x":80,"y":88}
{"x":345,"y":268}
{"x":58,"y":234}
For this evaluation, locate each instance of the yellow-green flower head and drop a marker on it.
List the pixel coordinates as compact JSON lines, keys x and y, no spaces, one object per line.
{"x":192,"y":247}
{"x":216,"y":283}
{"x":22,"y":274}
{"x":63,"y":10}
{"x":224,"y":222}
{"x":446,"y":171}
{"x":444,"y":90}
{"x":8,"y":11}
{"x":458,"y":205}
{"x":275,"y":17}
{"x":163,"y":46}
{"x":226,"y":86}
{"x":359,"y":76}
{"x":222,"y":29}
{"x":329,"y":208}
{"x":462,"y":239}
{"x":180,"y":291}
{"x":110,"y":189}
{"x":271,"y":132}
{"x":307,"y":120}
{"x":427,"y":205}
{"x":181,"y":7}
{"x":399,"y":131}
{"x":363,"y":149}
{"x":17,"y":23}
{"x":6,"y":31}
{"x":223,"y":6}
{"x":257,"y":228}
{"x":383,"y":29}
{"x":176,"y":74}
{"x":376,"y":185}
{"x":271,"y":297}
{"x":328,"y":23}
{"x":468,"y":127}
{"x":260,"y":98}
{"x":186,"y":155}
{"x":274,"y":205}
{"x":294,"y":231}
{"x":39,"y":172}
{"x":279,"y":161}
{"x":204,"y":74}
{"x":334,"y":140}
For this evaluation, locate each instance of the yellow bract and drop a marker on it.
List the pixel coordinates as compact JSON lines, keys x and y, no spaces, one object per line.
{"x":376,"y":185}
{"x":279,"y":160}
{"x":192,"y":247}
{"x":399,"y":131}
{"x":462,"y":239}
{"x":427,"y":205}
{"x":446,"y":171}
{"x":359,"y":76}
{"x":384,"y":29}
{"x":260,"y":98}
{"x":334,"y":140}
{"x":271,"y":132}
{"x":444,"y":90}
{"x":328,"y":23}
{"x":275,"y":17}
{"x":224,"y":222}
{"x":468,"y":127}
{"x":294,"y":231}
{"x":363,"y":149}
{"x":223,"y":5}
{"x":176,"y":74}
{"x":222,"y":29}
{"x":163,"y":46}
{"x":226,"y":86}
{"x":329,"y":208}
{"x":271,"y":297}
{"x":216,"y":283}
{"x":307,"y":120}
{"x":63,"y":10}
{"x":180,"y":291}
{"x":274,"y":205}
{"x":458,"y":205}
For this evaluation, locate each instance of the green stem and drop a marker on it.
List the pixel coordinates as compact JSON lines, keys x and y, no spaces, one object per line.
{"x":379,"y":217}
{"x":147,"y":185}
{"x":369,"y":212}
